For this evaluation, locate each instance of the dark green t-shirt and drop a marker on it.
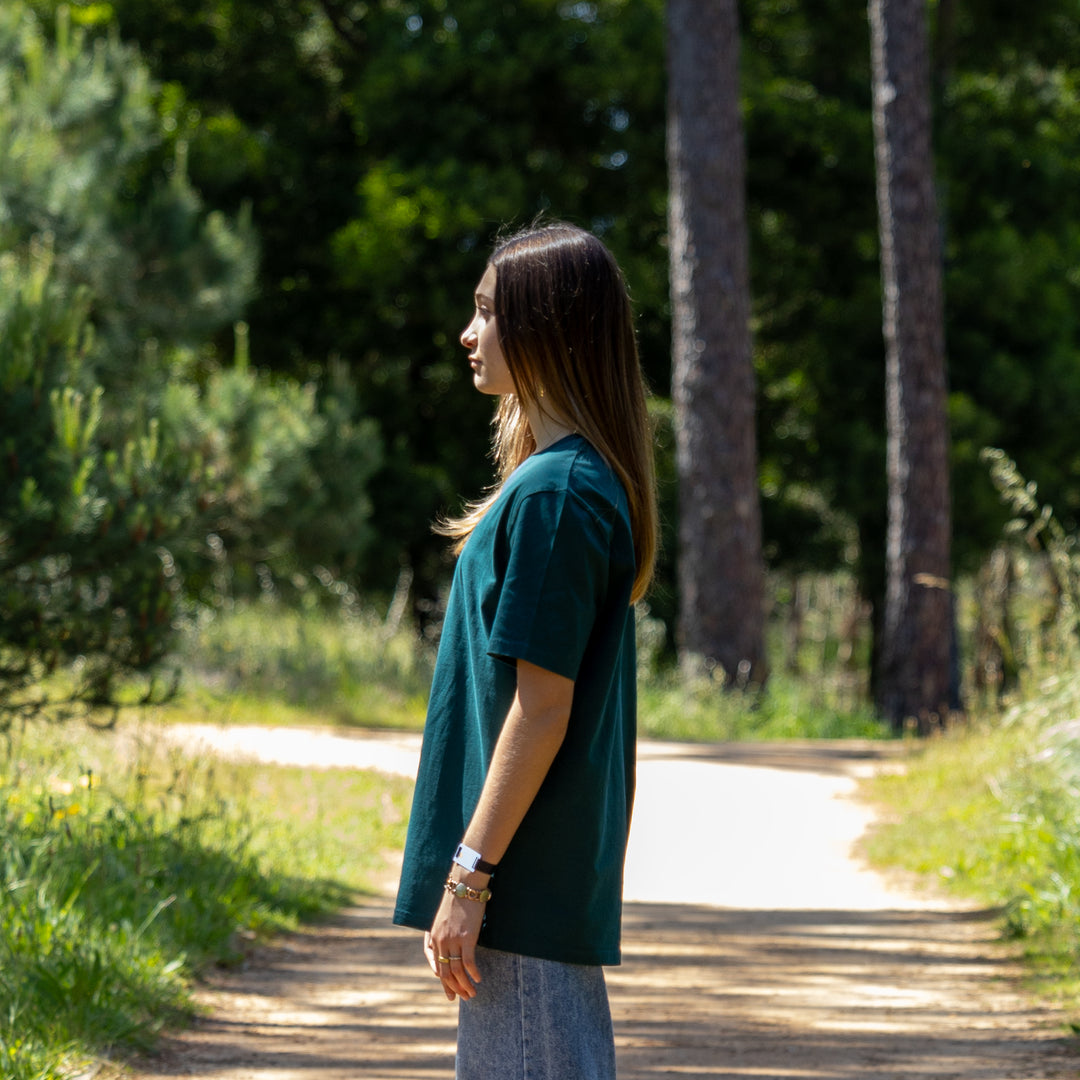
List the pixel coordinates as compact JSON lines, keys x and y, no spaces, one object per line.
{"x":545,"y":577}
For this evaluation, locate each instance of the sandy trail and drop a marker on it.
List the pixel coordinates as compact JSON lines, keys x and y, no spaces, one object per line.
{"x":755,"y":945}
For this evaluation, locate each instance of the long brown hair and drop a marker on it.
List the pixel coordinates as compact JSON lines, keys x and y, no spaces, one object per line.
{"x":566,"y":331}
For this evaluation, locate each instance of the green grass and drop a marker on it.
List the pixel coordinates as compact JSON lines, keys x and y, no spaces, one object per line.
{"x":678,"y":708}
{"x":271,"y":664}
{"x":991,"y":812}
{"x":124,"y":875}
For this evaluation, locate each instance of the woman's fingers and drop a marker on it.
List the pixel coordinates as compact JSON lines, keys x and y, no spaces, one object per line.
{"x":456,"y":979}
{"x":469,"y":963}
{"x":457,"y":972}
{"x":449,"y":967}
{"x":429,"y":952}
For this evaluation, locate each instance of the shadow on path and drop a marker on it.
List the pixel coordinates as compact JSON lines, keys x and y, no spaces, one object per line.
{"x":834,"y":995}
{"x":703,"y":992}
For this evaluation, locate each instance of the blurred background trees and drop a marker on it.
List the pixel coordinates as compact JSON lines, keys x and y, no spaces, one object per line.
{"x":333,"y":172}
{"x":139,"y":475}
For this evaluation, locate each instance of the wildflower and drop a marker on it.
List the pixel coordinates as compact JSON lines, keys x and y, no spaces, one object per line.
{"x":88,"y":780}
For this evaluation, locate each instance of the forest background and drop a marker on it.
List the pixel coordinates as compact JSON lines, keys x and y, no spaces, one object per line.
{"x":334,"y":174}
{"x":238,"y":240}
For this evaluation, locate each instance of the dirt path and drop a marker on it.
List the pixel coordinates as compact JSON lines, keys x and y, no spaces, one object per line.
{"x":783,"y":957}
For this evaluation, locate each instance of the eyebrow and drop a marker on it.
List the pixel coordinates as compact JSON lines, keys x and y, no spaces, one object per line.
{"x":478,"y":296}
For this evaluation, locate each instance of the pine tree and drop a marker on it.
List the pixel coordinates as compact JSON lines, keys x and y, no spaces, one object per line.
{"x":721,"y":570}
{"x":915,"y":667}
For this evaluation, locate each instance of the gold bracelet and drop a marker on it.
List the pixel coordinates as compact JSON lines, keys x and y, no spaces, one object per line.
{"x":464,"y":892}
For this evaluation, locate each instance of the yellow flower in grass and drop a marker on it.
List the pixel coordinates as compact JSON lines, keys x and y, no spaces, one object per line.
{"x":89,"y":780}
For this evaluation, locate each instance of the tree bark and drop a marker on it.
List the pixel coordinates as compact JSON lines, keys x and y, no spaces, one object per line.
{"x":915,"y":674}
{"x":721,"y":573}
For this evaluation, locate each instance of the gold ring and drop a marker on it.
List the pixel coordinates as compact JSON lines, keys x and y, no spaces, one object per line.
{"x":445,"y":959}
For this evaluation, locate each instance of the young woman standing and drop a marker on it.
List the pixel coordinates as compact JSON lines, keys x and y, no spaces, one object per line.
{"x":514,"y":858}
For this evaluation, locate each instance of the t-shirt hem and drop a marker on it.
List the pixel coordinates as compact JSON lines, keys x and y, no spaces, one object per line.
{"x":405,"y":917}
{"x":512,"y":651}
{"x":589,"y":958}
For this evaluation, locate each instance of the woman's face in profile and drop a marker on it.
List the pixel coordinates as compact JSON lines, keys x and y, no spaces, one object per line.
{"x":481,"y":338}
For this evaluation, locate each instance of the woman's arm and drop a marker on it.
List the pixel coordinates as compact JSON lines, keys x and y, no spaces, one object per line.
{"x":531,"y":736}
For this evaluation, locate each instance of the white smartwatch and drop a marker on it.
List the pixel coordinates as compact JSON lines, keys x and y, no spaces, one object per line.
{"x":470,"y":860}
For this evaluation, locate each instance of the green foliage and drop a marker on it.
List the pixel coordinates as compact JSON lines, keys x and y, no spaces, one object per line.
{"x":1013,"y":195}
{"x":814,"y":270}
{"x":818,"y":637}
{"x":699,"y":709}
{"x":283,"y":471}
{"x":992,"y":809}
{"x":1048,"y":560}
{"x":96,"y":248}
{"x":808,"y":700}
{"x":349,"y":668}
{"x":86,"y":575}
{"x":271,"y":664}
{"x":100,"y":545}
{"x":121,"y":882}
{"x":124,"y":445}
{"x":1006,"y":110}
{"x":992,"y":813}
{"x":81,"y":162}
{"x":379,"y":146}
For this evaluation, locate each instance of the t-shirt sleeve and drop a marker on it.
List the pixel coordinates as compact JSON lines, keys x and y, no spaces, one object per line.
{"x":557,"y":556}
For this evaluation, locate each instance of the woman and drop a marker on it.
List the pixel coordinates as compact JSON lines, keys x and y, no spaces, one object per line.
{"x":514,"y":858}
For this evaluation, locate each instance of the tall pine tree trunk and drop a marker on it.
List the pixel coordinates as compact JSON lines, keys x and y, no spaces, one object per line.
{"x":915,"y":664}
{"x":721,"y":574}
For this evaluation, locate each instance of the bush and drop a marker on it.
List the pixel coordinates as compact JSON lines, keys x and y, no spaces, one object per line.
{"x":88,"y":583}
{"x":283,"y":469}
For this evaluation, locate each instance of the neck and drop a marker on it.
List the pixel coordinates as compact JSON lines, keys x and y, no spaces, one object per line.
{"x":548,"y":429}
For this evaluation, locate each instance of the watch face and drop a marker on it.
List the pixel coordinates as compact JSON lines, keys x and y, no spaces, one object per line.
{"x":466,"y":857}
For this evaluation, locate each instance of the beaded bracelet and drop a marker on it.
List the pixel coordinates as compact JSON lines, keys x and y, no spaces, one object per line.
{"x":463,"y":892}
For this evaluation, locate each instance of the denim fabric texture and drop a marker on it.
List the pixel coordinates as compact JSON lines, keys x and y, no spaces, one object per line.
{"x":535,"y":1019}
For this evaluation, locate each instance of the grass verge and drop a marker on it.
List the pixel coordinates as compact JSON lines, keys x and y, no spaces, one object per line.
{"x":674,"y":707}
{"x":268,"y":663}
{"x":991,"y":812}
{"x":126,"y":871}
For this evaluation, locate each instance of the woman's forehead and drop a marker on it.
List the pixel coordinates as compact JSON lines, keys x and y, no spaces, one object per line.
{"x":486,"y":285}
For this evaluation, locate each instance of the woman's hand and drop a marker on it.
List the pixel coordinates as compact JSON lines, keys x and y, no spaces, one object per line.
{"x":450,"y":944}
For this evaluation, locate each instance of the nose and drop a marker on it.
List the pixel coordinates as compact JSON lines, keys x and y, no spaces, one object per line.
{"x":468,"y":335}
